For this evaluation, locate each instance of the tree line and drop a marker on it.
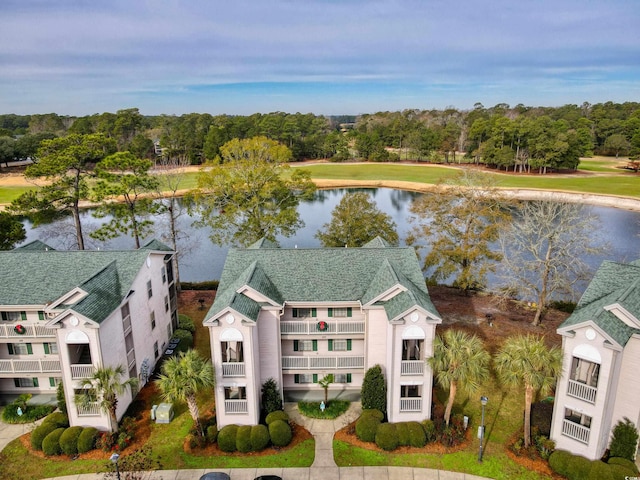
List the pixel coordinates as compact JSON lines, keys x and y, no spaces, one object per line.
{"x":519,"y":138}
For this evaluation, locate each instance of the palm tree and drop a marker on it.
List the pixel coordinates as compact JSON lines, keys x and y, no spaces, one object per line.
{"x":460,"y":361}
{"x":104,"y":386}
{"x":183,"y":377}
{"x":526,"y":360}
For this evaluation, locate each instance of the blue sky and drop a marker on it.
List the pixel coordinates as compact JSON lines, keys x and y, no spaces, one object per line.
{"x":79,"y":57}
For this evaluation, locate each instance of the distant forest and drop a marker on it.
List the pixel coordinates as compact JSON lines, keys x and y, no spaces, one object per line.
{"x":516,"y":138}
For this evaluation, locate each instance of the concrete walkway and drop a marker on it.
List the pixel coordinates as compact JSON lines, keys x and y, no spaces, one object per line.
{"x":323,"y":468}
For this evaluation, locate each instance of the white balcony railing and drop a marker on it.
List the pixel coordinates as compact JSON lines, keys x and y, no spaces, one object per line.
{"x":411,"y":404}
{"x":576,"y":431}
{"x":311,"y":328}
{"x":8,"y":331}
{"x":582,"y":391}
{"x":412,"y":367}
{"x":80,"y":371}
{"x":91,"y":409}
{"x":30,"y":366}
{"x":236,"y":406}
{"x":233,"y":369}
{"x":321,"y":363}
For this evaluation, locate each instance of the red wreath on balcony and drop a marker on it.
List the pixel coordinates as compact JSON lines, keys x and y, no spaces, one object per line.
{"x":19,"y":329}
{"x":322,"y":326}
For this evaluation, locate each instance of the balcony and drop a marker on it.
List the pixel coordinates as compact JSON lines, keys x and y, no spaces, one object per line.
{"x":321,"y":363}
{"x":31,"y":331}
{"x":236,"y":406}
{"x":576,"y":431}
{"x":311,"y":328}
{"x":233,"y":369}
{"x":81,"y":371}
{"x":582,"y":391}
{"x":412,"y":367}
{"x":411,"y":404}
{"x":29,"y":366}
{"x":92,"y":409}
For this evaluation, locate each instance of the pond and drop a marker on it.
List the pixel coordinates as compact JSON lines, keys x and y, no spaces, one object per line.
{"x":618,"y":230}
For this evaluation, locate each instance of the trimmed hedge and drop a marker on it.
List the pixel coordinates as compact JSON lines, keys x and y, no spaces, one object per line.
{"x":373,"y":412}
{"x":69,"y":440}
{"x":186,"y":323}
{"x":87,"y":439}
{"x":259,"y":437}
{"x":57,"y":418}
{"x":430,"y":431}
{"x":624,"y":462}
{"x":366,"y":427}
{"x":243,"y":439}
{"x":280,"y":433}
{"x":206,"y":285}
{"x":417,"y":437}
{"x":277,"y":415}
{"x":387,"y":436}
{"x":39,"y":434}
{"x":619,"y":472}
{"x":599,"y":471}
{"x":30,"y":414}
{"x":186,"y":339}
{"x":212,"y":433}
{"x":51,"y":443}
{"x":227,"y":438}
{"x":403,"y":434}
{"x":578,"y":468}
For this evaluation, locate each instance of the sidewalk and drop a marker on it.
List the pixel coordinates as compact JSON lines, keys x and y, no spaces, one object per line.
{"x":323,"y":468}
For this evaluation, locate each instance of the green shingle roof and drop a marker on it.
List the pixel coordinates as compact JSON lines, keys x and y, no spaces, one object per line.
{"x":322,"y":275}
{"x":613,"y":283}
{"x":35,"y":245}
{"x":38,"y":277}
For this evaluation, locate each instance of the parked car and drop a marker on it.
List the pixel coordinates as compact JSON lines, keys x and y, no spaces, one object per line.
{"x":215,"y":476}
{"x":268,"y":477}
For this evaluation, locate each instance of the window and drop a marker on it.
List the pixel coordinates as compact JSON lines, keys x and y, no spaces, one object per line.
{"x":411,"y":349}
{"x":305,"y":378}
{"x":410,"y":391}
{"x":305,"y":345}
{"x":20,"y":349}
{"x":155,"y":349}
{"x":577,"y":417}
{"x":149,"y":289}
{"x":342,"y":378}
{"x":339,"y":345}
{"x":304,"y":312}
{"x":166,"y":303}
{"x":340,"y":312}
{"x":164,"y":274}
{"x":25,"y":382}
{"x":50,"y":348}
{"x":41,"y":315}
{"x":14,"y":316}
{"x":232,"y":352}
{"x":235,"y":393}
{"x":152,"y":317}
{"x":54,"y":381}
{"x":585,"y":372}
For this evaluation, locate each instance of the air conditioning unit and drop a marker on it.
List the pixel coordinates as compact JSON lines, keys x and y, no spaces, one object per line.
{"x":51,"y":314}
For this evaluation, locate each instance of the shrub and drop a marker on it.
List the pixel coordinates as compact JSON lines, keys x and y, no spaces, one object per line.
{"x":402,"y":430}
{"x":271,"y":399}
{"x":620,"y":472}
{"x":60,"y":398}
{"x":259,"y":437}
{"x":417,"y":437}
{"x":207,"y":285}
{"x":277,"y":415}
{"x":374,"y":390}
{"x":51,"y":443}
{"x":599,"y":471}
{"x":227,"y":438}
{"x":106,"y":441}
{"x":39,"y":434}
{"x":366,"y":427}
{"x":563,"y":305}
{"x":624,"y":462}
{"x":69,"y":440}
{"x":429,"y":430}
{"x":134,"y":465}
{"x":578,"y":468}
{"x":373,"y":412}
{"x":243,"y":439}
{"x":624,"y":440}
{"x":30,"y":413}
{"x":186,"y":339}
{"x":212,"y":433}
{"x":87,"y":439}
{"x":559,"y":460}
{"x":387,"y":436}
{"x":280,"y":433}
{"x":57,"y":418}
{"x":186,"y":323}
{"x":454,"y":433}
{"x":332,"y":410}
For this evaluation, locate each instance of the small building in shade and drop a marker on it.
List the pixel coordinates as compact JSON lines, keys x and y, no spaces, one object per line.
{"x":65,"y":314}
{"x":601,"y":348}
{"x":297,"y":315}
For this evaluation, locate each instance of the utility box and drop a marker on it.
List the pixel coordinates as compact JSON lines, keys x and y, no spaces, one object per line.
{"x":164,"y":413}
